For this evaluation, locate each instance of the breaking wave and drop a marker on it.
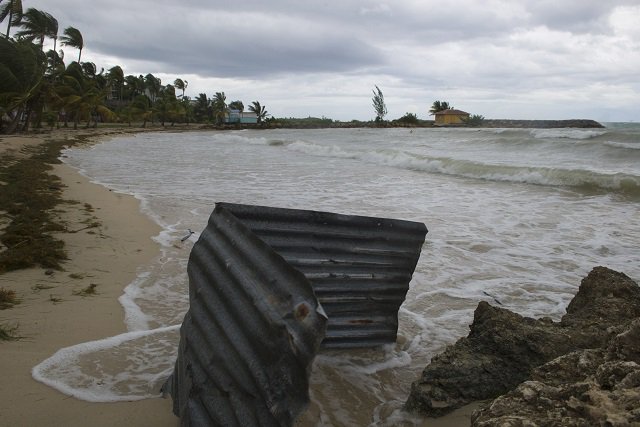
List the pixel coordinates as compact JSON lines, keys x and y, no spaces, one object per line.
{"x":558,"y":177}
{"x":626,"y":145}
{"x":567,"y":133}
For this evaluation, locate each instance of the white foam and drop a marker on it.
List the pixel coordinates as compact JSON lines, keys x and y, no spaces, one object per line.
{"x":135,"y":376}
{"x":629,"y":145}
{"x":568,"y":133}
{"x":134,"y":318}
{"x":320,"y":150}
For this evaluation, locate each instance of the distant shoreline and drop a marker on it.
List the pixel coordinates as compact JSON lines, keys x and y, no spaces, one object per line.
{"x":315,"y":123}
{"x":544,"y":124}
{"x":487,"y":123}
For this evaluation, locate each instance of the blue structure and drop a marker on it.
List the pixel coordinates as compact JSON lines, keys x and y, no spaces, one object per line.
{"x":236,"y":116}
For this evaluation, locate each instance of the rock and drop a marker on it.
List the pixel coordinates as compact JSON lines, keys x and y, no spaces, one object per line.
{"x":605,"y":302}
{"x":503,"y":349}
{"x":498,"y":354}
{"x":604,"y":390}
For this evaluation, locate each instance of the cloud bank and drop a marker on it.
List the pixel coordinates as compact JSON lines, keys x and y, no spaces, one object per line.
{"x":503,"y":59}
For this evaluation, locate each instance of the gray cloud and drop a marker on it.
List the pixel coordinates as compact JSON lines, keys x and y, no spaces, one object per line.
{"x":480,"y":54}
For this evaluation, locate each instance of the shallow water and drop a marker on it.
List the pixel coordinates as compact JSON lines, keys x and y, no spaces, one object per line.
{"x":517,"y":216}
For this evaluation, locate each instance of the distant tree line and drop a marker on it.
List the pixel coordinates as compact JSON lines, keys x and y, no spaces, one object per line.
{"x":38,"y":87}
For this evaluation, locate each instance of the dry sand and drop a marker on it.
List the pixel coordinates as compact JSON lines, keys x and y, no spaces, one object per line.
{"x":52,"y":315}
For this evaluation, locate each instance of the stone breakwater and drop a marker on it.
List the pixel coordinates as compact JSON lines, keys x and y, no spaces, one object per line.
{"x":543,"y":124}
{"x":583,"y":370}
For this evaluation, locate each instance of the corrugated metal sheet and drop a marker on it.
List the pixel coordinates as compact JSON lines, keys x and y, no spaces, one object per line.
{"x":254,"y":324}
{"x":359,"y":267}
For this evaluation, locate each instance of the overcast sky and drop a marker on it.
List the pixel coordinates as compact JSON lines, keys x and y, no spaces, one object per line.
{"x":521,"y":59}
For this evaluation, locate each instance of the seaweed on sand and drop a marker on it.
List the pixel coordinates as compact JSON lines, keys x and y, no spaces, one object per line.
{"x":8,"y":298}
{"x":28,"y":196}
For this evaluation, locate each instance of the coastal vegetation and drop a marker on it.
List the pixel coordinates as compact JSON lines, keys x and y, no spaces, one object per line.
{"x":38,"y":88}
{"x":409,"y":118}
{"x":474,"y":120}
{"x":379,"y":105}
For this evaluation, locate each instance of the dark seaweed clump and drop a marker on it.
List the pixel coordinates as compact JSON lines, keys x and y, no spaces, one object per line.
{"x":29,"y":195}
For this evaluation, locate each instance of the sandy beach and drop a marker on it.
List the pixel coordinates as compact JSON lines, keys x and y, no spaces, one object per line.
{"x":54,"y":312}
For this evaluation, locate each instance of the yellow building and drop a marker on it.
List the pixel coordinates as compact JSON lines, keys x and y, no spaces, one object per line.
{"x":450,"y":117}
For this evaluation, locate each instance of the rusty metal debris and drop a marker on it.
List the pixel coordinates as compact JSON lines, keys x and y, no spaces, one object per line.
{"x":267,"y":286}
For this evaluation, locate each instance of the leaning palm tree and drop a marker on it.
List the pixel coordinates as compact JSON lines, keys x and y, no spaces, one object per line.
{"x":82,"y":97}
{"x":152,"y":85}
{"x":73,"y":37}
{"x":52,"y":30}
{"x":181,"y":84}
{"x":36,"y":25}
{"x":220,"y":100}
{"x":22,"y":67}
{"x":12,"y":10}
{"x":260,"y":110}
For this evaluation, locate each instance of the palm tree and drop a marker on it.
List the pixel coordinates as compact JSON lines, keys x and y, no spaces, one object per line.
{"x":115,"y":78}
{"x":138,"y":109}
{"x":55,"y":62}
{"x":187,"y":109}
{"x":202,"y":109}
{"x":36,"y":25}
{"x":21,"y":77}
{"x":52,"y":30}
{"x":13,"y":10}
{"x":81,"y":95}
{"x":236,"y":105}
{"x":134,"y":86}
{"x":438,"y":106}
{"x":220,"y":100}
{"x":167,"y":105}
{"x":260,"y":110}
{"x":73,"y":37}
{"x":153,"y":85}
{"x":219,"y":104}
{"x":181,"y":85}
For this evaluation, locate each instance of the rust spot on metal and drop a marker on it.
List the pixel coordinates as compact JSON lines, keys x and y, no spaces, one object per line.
{"x":301,"y":311}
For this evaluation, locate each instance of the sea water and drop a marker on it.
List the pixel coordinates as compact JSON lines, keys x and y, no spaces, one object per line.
{"x":516,"y":217}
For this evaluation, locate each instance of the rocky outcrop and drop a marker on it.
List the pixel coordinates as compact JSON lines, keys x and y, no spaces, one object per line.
{"x":504,"y":349}
{"x":583,"y":388}
{"x":541,"y":124}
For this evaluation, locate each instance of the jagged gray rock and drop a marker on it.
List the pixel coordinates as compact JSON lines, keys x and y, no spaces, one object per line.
{"x":503,"y":348}
{"x":583,"y":388}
